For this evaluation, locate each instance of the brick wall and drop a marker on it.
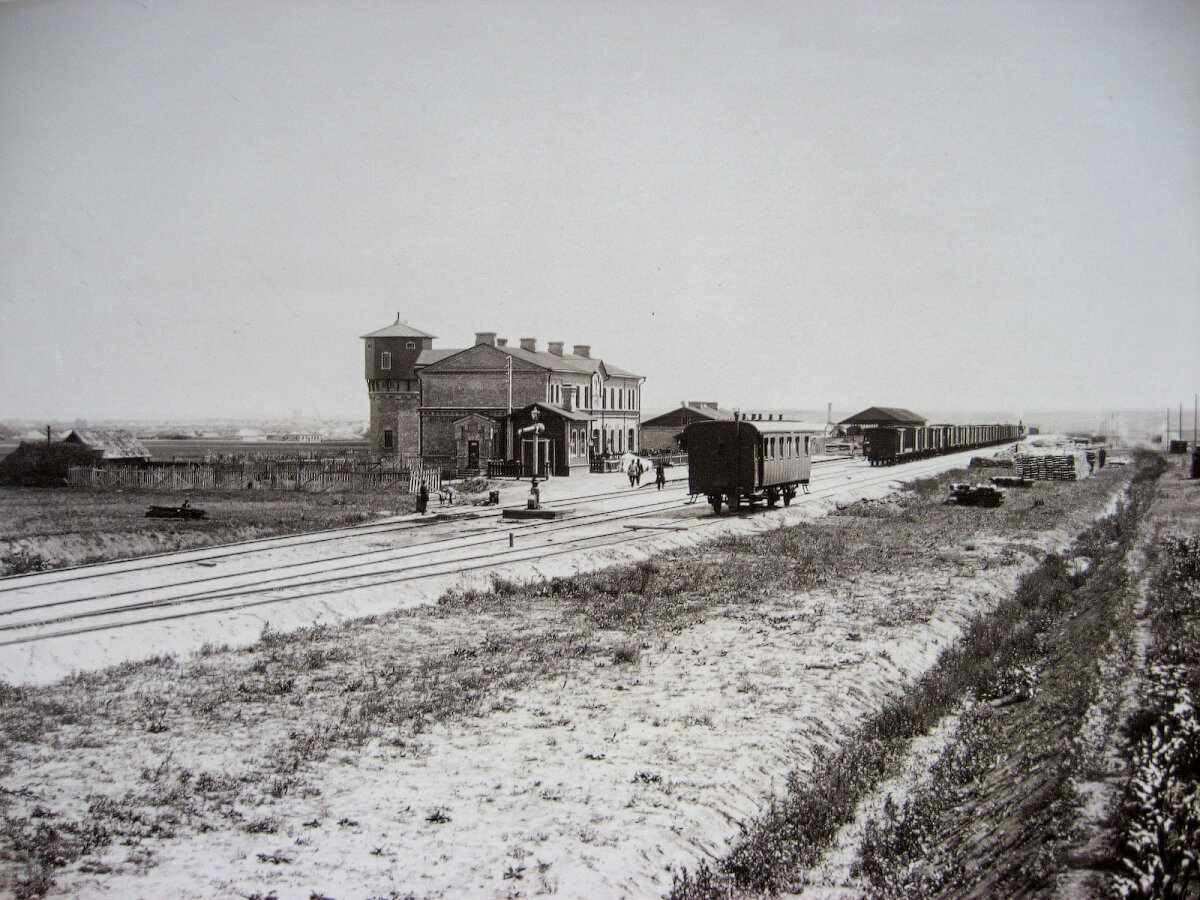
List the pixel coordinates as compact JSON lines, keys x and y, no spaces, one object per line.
{"x":481,"y":389}
{"x":401,"y":413}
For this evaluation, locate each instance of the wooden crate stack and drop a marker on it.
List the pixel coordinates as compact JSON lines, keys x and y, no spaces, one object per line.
{"x":1048,"y":467}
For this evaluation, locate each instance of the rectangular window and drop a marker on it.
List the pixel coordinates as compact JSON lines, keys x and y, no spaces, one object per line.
{"x":410,"y":345}
{"x":389,"y":439}
{"x":385,"y":360}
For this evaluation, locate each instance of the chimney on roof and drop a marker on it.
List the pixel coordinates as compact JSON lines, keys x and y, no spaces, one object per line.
{"x":485,"y":337}
{"x":529,"y":344}
{"x":555,"y":347}
{"x":501,"y":342}
{"x":584,"y":350}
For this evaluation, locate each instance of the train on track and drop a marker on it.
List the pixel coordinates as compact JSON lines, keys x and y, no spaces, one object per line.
{"x":886,"y":446}
{"x":734,"y":461}
{"x":740,"y":461}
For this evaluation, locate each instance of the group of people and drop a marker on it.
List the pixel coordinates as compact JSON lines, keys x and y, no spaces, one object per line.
{"x":636,"y":468}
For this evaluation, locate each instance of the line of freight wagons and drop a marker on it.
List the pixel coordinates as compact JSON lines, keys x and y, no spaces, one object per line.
{"x":886,"y":446}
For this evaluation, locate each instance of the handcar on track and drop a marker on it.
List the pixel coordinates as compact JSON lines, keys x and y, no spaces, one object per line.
{"x":734,"y":461}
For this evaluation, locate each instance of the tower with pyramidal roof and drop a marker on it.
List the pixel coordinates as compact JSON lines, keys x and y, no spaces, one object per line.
{"x":393,"y":387}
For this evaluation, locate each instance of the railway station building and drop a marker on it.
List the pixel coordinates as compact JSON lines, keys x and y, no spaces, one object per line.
{"x":460,"y":408}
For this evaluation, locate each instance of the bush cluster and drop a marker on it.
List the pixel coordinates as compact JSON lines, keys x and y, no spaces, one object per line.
{"x":1160,"y":813}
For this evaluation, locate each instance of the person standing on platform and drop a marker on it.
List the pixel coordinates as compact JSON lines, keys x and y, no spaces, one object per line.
{"x":660,"y":475}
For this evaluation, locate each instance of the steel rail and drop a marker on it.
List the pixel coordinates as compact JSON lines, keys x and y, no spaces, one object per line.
{"x":280,"y":541}
{"x":275,"y":583}
{"x":404,"y":575}
{"x":389,"y":575}
{"x":530,"y":529}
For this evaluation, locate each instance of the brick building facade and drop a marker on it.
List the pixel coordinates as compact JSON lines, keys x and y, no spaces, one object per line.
{"x":453,"y":407}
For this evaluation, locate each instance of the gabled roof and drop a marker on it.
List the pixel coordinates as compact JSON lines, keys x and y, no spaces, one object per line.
{"x":399,"y":329}
{"x":884,"y":415}
{"x":111,"y":443}
{"x":568,"y":362}
{"x":428,"y":357}
{"x":688,"y":413}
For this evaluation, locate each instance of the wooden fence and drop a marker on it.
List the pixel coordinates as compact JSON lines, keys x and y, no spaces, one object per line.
{"x":285,"y":476}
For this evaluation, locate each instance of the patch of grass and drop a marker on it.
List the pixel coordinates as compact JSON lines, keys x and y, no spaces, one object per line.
{"x":68,"y":526}
{"x":627,"y":654}
{"x":20,"y":562}
{"x":1158,"y":824}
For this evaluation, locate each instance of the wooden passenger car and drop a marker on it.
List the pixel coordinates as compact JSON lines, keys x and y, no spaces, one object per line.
{"x":734,"y":461}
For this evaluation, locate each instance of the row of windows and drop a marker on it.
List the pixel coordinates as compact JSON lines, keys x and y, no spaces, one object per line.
{"x":614,"y":440}
{"x":786,"y":446}
{"x":610,"y":398}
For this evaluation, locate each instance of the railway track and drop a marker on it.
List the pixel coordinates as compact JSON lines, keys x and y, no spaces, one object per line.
{"x":30,"y":622}
{"x":111,"y":597}
{"x":170,"y":558}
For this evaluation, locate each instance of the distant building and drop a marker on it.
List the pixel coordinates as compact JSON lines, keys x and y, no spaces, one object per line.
{"x":662,"y":432}
{"x":109,"y":444}
{"x":883,"y":416}
{"x":455,"y":408}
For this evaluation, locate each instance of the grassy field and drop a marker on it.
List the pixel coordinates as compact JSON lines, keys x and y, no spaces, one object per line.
{"x":54,"y":527}
{"x":111,"y":774}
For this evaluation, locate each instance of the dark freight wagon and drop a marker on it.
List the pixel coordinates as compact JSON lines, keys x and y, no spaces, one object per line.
{"x":886,"y":446}
{"x":731,"y":462}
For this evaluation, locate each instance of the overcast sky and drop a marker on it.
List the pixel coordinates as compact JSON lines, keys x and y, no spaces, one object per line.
{"x":203,"y":206}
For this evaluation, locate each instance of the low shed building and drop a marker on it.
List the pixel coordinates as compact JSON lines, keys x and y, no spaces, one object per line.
{"x":110,"y":445}
{"x":661,"y":433}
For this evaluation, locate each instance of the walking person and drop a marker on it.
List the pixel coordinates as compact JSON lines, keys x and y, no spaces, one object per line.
{"x":632,"y":473}
{"x":422,"y":498}
{"x":660,"y":475}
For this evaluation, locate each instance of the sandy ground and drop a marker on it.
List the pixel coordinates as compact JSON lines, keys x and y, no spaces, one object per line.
{"x":601,"y":784}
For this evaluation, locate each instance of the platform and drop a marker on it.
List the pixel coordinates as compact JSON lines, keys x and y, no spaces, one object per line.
{"x":536,"y":513}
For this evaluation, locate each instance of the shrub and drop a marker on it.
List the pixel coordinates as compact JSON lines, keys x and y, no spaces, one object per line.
{"x":627,"y":654}
{"x":22,"y":561}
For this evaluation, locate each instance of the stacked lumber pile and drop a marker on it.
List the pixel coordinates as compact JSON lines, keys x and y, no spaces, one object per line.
{"x":1052,"y":466}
